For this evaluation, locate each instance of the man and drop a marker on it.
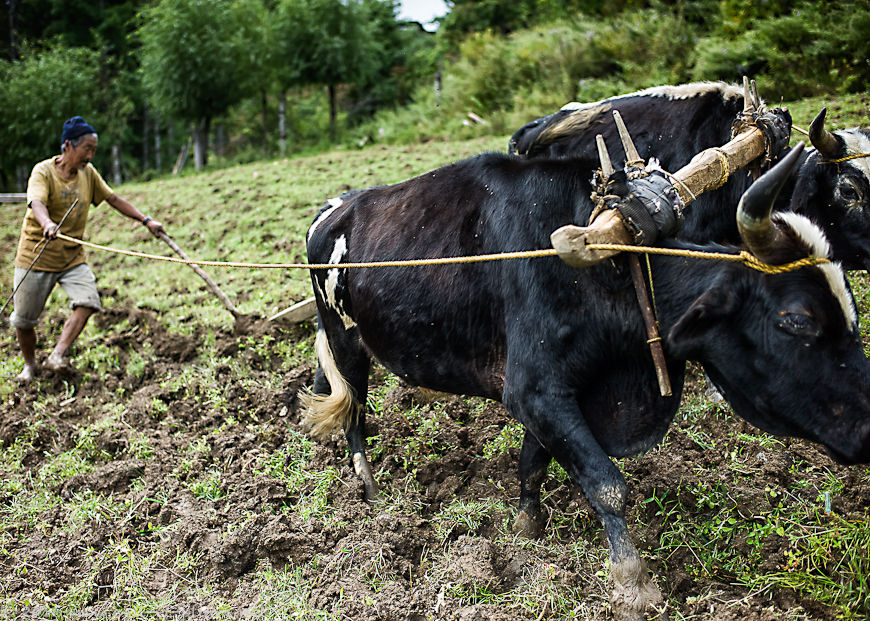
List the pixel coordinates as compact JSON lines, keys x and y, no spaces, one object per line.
{"x":60,"y":192}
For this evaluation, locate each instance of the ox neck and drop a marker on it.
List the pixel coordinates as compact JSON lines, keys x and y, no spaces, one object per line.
{"x":678,"y":282}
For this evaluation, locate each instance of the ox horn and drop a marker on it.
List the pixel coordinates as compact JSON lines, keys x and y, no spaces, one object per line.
{"x":824,"y":141}
{"x":632,"y":157}
{"x":753,"y":213}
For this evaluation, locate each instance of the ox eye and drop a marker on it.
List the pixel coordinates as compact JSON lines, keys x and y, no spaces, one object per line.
{"x":798,"y":324}
{"x":849,"y":192}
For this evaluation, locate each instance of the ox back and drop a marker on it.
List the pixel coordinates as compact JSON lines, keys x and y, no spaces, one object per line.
{"x":670,"y":123}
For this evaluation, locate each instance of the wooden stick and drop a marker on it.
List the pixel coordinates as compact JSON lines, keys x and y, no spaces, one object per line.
{"x":299,"y":312}
{"x":211,"y":284}
{"x":711,"y":167}
{"x":652,"y":330}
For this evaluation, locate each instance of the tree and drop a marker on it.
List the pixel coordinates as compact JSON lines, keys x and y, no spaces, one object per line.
{"x":195,"y":59}
{"x":326,"y":42}
{"x":39,"y":93}
{"x":405,"y":56}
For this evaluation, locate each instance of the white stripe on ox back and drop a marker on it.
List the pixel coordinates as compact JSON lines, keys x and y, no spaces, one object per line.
{"x":334,"y":203}
{"x":681,"y":91}
{"x":338,"y":252}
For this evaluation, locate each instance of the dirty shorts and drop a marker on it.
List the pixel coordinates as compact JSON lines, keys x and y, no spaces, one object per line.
{"x":78,"y":282}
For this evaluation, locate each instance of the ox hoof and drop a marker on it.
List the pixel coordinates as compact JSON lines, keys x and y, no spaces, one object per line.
{"x":635,"y":595}
{"x":527,"y":526}
{"x":364,"y":472}
{"x":372,"y":494}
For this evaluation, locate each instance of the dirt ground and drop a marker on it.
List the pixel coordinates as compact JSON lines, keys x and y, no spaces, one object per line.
{"x":341,"y":558}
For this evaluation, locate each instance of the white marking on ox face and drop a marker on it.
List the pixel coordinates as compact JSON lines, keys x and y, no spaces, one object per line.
{"x":683,"y":91}
{"x":857,"y":142}
{"x":818,"y":244}
{"x":334,"y":203}
{"x":329,"y":293}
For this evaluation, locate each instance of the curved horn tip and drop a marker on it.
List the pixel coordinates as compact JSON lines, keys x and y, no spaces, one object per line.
{"x":823,"y":140}
{"x":759,"y":197}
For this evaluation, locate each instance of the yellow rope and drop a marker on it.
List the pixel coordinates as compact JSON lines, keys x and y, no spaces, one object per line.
{"x":723,"y":160}
{"x":743,"y":256}
{"x":847,"y":158}
{"x":523,"y":254}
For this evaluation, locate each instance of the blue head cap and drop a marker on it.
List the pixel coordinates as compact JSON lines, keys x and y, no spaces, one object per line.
{"x":75,"y":127}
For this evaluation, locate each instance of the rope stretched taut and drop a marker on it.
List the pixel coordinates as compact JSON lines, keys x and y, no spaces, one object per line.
{"x":482,"y":258}
{"x":743,"y":256}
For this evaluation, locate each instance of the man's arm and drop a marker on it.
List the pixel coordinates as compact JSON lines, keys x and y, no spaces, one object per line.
{"x":125,"y":207}
{"x":40,"y":212}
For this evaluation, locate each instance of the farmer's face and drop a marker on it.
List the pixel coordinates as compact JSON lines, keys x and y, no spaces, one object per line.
{"x":84,"y":152}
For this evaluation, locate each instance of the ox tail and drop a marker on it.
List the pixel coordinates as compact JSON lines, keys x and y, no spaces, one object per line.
{"x":323,"y":413}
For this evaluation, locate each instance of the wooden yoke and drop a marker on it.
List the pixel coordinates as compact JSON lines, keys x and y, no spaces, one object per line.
{"x":707,"y":171}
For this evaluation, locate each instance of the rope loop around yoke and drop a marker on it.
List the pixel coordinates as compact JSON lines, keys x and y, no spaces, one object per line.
{"x":723,"y":162}
{"x":745,"y":257}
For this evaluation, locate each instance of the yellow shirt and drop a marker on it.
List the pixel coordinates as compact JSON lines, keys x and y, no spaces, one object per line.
{"x":58,"y":194}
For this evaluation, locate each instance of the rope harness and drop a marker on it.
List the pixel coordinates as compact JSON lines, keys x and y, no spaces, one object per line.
{"x":845,"y":159}
{"x":745,"y":257}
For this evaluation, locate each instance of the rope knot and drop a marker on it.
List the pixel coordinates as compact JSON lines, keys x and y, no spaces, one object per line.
{"x":750,"y":260}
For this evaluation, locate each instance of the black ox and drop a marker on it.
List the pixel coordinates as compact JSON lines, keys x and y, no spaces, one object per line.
{"x":564,"y":349}
{"x":673,"y":123}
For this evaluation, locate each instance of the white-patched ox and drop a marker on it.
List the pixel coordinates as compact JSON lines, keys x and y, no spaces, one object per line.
{"x":565,"y":349}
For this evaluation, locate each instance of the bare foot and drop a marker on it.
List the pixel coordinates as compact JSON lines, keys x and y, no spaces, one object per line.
{"x":58,"y":364}
{"x":27,"y":373}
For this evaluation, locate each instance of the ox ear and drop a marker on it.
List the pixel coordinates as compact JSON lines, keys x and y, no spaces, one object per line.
{"x":686,"y":338}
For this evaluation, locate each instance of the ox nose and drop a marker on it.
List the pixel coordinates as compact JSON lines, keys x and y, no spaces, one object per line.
{"x":864,"y":457}
{"x":854,"y":450}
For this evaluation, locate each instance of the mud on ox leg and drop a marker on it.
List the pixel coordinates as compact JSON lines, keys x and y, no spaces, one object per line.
{"x":534,"y":460}
{"x":339,"y":396}
{"x":557,"y":425}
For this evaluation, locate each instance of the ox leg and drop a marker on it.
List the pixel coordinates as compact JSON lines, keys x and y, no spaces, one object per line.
{"x":560,"y":427}
{"x":355,"y":436}
{"x":534,"y":460}
{"x":354,"y":363}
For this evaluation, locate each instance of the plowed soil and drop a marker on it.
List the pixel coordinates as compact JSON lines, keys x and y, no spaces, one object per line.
{"x":371,"y":561}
